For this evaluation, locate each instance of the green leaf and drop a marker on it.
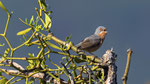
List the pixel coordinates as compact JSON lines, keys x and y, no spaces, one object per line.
{"x":31,"y":62}
{"x":48,"y":21}
{"x":31,"y":55}
{"x":23,"y":36}
{"x":3,"y":7}
{"x":68,"y":38}
{"x":53,"y":45}
{"x":43,"y":65}
{"x":23,"y":31}
{"x":32,"y":20}
{"x":26,"y":20}
{"x":37,"y":20}
{"x":6,"y":52}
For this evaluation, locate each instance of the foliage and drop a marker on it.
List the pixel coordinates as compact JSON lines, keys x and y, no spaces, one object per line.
{"x":79,"y":68}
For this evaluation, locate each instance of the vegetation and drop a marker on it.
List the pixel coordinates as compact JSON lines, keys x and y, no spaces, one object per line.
{"x":79,"y":68}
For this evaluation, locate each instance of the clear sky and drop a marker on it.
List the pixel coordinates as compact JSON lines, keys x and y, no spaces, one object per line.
{"x":127,"y":22}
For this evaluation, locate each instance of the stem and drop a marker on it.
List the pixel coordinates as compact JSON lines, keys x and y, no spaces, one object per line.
{"x":23,"y":58}
{"x":26,"y":41}
{"x":11,"y":72}
{"x":90,"y":79}
{"x":4,"y":65}
{"x":27,"y":80}
{"x":10,"y":80}
{"x":8,"y":42}
{"x":6,"y":27}
{"x":2,"y":35}
{"x":125,"y":76}
{"x":26,"y":23}
{"x":40,"y":17}
{"x":11,"y":55}
{"x":53,"y":76}
{"x":17,"y":80}
{"x":39,"y":54}
{"x":40,"y":7}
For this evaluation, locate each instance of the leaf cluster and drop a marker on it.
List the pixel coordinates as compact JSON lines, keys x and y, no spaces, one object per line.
{"x":77,"y":66}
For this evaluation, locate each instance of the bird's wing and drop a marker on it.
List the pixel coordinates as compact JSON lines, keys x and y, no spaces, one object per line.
{"x":90,"y":41}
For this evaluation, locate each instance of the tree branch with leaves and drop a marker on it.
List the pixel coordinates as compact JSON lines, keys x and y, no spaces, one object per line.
{"x":79,"y":68}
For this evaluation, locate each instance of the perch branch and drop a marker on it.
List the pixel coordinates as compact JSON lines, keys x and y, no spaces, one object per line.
{"x":74,"y":48}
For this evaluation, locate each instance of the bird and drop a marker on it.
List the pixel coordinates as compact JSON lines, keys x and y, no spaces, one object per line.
{"x":93,"y":42}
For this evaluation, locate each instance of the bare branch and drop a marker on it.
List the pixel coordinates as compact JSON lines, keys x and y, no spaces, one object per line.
{"x":14,"y":64}
{"x":109,"y":59}
{"x":125,"y":76}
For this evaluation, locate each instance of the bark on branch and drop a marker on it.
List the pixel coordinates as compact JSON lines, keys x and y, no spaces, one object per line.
{"x":109,"y":59}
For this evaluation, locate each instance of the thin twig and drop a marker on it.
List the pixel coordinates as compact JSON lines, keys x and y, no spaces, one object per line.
{"x":70,"y":75}
{"x":125,"y":76}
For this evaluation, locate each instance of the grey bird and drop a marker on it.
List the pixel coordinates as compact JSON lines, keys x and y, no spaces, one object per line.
{"x":93,"y":42}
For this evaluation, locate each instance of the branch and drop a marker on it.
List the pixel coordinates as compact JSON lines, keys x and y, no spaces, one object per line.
{"x":125,"y":76}
{"x":109,"y":59}
{"x":74,"y":48}
{"x":69,"y":74}
{"x":14,"y":64}
{"x":32,"y":74}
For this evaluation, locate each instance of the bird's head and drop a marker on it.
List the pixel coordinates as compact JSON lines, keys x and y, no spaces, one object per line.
{"x":101,"y":32}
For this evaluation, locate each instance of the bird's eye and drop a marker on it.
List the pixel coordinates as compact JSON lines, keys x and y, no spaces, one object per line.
{"x":104,"y":29}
